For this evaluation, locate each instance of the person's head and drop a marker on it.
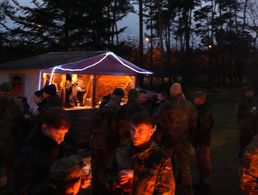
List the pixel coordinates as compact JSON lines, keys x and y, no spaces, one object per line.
{"x":66,"y":173}
{"x":55,"y":123}
{"x":199,"y":98}
{"x":249,"y":92}
{"x":132,"y":95}
{"x":37,"y":97}
{"x":5,"y":88}
{"x":17,"y":86}
{"x":24,"y":102}
{"x":49,"y":91}
{"x":142,"y":128}
{"x":142,"y":96}
{"x":68,"y":77}
{"x":175,"y":89}
{"x":117,"y":95}
{"x":118,"y":92}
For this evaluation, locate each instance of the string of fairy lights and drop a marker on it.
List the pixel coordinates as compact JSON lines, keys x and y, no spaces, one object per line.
{"x":59,"y":67}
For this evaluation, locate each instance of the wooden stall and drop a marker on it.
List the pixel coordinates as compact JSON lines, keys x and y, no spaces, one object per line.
{"x":93,"y":78}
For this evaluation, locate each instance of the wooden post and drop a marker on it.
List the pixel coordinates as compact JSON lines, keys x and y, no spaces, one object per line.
{"x":135,"y":81}
{"x":94,"y":91}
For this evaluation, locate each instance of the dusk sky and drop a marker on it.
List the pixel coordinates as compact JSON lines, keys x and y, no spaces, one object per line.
{"x":131,"y":21}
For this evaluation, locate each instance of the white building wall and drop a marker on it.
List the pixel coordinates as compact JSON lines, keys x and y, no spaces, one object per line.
{"x":31,"y":81}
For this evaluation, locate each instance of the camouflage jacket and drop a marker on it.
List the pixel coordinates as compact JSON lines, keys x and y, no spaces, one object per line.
{"x":11,"y":125}
{"x":249,"y":168}
{"x":176,"y":121}
{"x":247,"y":115}
{"x":152,"y":170}
{"x":202,"y":132}
{"x":103,"y":137}
{"x":53,"y":101}
{"x":245,"y":106}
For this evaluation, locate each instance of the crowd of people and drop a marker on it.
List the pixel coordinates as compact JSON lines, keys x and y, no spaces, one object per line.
{"x":139,"y":147}
{"x":152,"y":141}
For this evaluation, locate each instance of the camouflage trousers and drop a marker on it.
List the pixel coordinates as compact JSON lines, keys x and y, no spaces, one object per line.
{"x":245,"y":137}
{"x":203,"y":158}
{"x":181,"y":153}
{"x":7,"y":161}
{"x":99,"y":162}
{"x":247,"y":130}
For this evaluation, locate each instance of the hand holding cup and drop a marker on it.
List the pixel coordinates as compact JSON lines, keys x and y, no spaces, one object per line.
{"x":253,"y":110}
{"x":124,"y":176}
{"x":86,"y":177}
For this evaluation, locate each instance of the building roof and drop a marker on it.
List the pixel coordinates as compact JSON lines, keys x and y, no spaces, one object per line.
{"x":103,"y":64}
{"x":93,"y":62}
{"x":48,"y":60}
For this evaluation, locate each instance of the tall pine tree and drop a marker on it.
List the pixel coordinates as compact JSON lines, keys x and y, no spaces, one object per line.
{"x":68,"y":24}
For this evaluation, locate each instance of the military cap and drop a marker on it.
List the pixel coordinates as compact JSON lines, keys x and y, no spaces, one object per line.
{"x":118,"y":92}
{"x":50,"y":89}
{"x":67,"y":169}
{"x":38,"y":93}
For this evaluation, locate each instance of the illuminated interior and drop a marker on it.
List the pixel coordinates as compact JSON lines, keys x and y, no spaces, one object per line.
{"x":90,"y":85}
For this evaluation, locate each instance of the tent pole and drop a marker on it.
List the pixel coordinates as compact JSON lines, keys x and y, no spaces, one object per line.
{"x":94,"y":92}
{"x":40,"y":80}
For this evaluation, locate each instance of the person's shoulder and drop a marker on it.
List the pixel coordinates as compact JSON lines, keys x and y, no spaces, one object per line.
{"x":156,"y":155}
{"x":187,"y":102}
{"x":189,"y":105}
{"x":124,"y":148}
{"x":122,"y":108}
{"x":27,"y":154}
{"x":252,"y":147}
{"x":28,"y":149}
{"x":54,"y":98}
{"x":123,"y":151}
{"x":207,"y":106}
{"x":31,"y":143}
{"x":106,"y":111}
{"x":156,"y":150}
{"x":7,"y":99}
{"x":164,"y":105}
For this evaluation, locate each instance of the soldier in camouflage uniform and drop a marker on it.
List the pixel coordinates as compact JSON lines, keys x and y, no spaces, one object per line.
{"x":202,"y":140}
{"x":50,"y":98}
{"x":176,"y":120}
{"x":123,"y":115}
{"x":11,"y":123}
{"x":247,"y":117}
{"x":249,"y":168}
{"x":103,"y":142}
{"x":141,"y":167}
{"x":65,"y":177}
{"x":42,"y":148}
